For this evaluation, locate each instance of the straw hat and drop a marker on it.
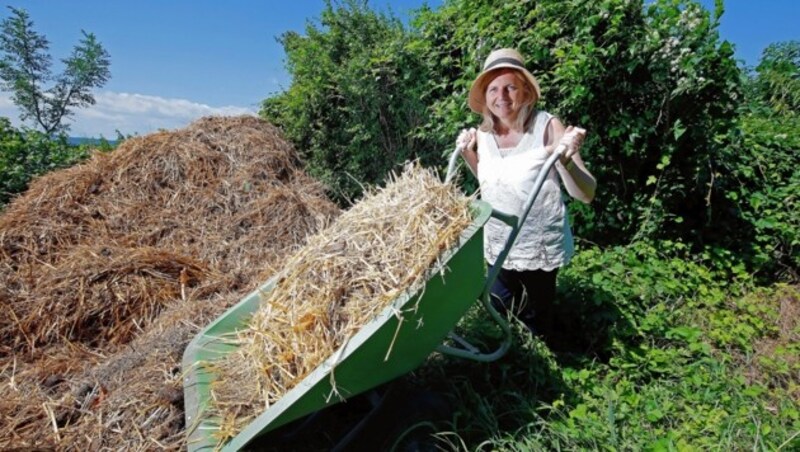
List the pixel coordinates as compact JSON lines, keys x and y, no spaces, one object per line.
{"x":498,"y":59}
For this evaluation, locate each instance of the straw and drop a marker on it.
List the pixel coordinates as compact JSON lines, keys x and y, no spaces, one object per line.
{"x":109,"y":268}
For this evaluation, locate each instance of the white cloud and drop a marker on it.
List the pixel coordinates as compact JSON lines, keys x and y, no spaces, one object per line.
{"x":6,"y":103}
{"x":131,"y":114}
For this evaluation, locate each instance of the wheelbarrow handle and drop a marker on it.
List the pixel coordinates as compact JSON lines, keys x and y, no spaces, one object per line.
{"x":451,"y":166}
{"x":469,"y":351}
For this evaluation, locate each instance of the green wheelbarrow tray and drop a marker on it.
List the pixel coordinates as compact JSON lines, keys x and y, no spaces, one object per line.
{"x":395,"y":342}
{"x":389,"y":346}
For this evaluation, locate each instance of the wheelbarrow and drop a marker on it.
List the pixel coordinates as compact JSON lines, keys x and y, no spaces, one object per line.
{"x":387,"y":347}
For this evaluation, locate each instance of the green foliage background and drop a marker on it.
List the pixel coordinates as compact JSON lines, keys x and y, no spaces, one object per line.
{"x":659,"y":92}
{"x":26,"y":153}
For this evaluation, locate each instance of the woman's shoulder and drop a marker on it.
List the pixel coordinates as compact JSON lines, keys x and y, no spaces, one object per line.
{"x":542,"y":115}
{"x":539,"y":119}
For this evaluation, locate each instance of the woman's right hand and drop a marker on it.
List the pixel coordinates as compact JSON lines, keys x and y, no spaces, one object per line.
{"x":467,"y":139}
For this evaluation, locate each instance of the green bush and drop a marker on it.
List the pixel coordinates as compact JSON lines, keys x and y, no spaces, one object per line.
{"x":354,"y":98}
{"x":673,"y":123}
{"x":762,"y":181}
{"x":653,"y":84}
{"x":776,"y":82}
{"x":25,"y":154}
{"x":758,"y":171}
{"x":698,"y":359}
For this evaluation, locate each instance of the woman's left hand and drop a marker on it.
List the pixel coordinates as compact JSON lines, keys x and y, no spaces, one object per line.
{"x":572,"y":140}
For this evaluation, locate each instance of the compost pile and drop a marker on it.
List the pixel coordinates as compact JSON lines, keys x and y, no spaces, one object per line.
{"x":386,"y":244}
{"x":109,"y":268}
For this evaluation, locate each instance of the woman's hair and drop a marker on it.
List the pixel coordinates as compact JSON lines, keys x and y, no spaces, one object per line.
{"x":526,"y":111}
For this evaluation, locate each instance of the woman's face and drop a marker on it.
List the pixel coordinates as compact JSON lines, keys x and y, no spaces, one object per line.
{"x":505,"y":95}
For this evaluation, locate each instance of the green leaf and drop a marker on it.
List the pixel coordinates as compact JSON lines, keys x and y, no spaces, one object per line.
{"x":678,"y":129}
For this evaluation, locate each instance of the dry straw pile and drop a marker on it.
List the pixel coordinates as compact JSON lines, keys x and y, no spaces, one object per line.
{"x":107,"y":270}
{"x":387,"y":243}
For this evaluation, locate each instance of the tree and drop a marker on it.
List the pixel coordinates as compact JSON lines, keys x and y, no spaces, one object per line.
{"x":25,"y":69}
{"x":777,"y":78}
{"x":355,"y":98}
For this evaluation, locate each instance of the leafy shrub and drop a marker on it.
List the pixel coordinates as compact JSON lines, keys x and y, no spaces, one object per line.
{"x":25,"y":154}
{"x":763,"y":182}
{"x":354,"y":98}
{"x":698,"y":359}
{"x":614,"y":299}
{"x":758,"y":170}
{"x":653,"y":85}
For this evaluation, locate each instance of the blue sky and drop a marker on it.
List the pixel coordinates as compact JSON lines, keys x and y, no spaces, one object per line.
{"x":175,"y":61}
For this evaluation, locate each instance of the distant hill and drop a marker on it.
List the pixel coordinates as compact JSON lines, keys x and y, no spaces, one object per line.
{"x":77,"y":141}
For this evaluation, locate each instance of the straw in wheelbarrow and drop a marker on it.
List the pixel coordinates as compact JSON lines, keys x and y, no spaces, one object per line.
{"x":384,"y":245}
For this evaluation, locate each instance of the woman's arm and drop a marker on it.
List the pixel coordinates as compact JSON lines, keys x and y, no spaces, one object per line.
{"x":577,"y":179}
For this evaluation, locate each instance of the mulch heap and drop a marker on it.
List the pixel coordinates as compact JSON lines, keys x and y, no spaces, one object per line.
{"x":109,"y":268}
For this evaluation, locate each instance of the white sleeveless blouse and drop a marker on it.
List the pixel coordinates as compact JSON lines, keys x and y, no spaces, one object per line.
{"x":545,"y":240}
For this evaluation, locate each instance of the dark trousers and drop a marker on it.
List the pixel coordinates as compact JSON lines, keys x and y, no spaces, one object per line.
{"x":529,"y":295}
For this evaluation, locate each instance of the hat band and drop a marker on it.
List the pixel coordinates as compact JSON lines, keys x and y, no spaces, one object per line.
{"x":512,"y":61}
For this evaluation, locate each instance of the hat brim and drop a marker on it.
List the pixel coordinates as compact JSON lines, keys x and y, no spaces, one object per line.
{"x":477,"y":95}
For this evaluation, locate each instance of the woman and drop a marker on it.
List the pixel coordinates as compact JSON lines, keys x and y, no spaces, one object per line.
{"x":506,"y":154}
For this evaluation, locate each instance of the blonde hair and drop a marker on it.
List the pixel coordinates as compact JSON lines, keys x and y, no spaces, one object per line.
{"x":526,"y":111}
